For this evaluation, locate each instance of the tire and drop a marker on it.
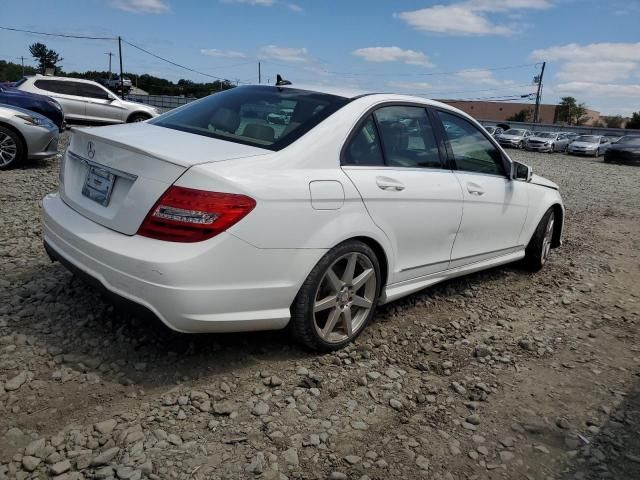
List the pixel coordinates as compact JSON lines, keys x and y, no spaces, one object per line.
{"x":597,"y":153}
{"x":553,"y":148}
{"x":12,"y":150}
{"x":138,"y":117}
{"x":537,"y":252}
{"x":325,"y":302}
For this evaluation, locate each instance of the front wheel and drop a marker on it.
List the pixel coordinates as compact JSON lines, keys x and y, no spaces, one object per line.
{"x":138,"y":117}
{"x":11,"y":149}
{"x":539,"y":247}
{"x":597,"y":153}
{"x":338,"y":298}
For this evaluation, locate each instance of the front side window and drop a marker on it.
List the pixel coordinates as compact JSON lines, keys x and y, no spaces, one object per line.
{"x":472,"y":151}
{"x":407,"y":137}
{"x":364,"y":147}
{"x":262,"y":116}
{"x":93,"y":91}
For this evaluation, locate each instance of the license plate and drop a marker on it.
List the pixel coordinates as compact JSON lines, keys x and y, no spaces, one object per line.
{"x":98,"y":185}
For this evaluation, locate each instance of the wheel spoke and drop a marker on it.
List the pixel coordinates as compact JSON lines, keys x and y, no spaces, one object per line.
{"x":333,"y":318}
{"x":325,"y":303}
{"x":347,"y":276}
{"x":361,"y":279}
{"x":348,"y":324}
{"x":335,"y":283}
{"x":361,"y":302}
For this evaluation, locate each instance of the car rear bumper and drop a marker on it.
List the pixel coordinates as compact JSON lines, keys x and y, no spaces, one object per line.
{"x":220,"y":285}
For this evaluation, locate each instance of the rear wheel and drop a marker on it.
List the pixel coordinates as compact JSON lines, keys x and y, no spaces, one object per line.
{"x":338,"y":298}
{"x":11,"y":150}
{"x":539,"y":247}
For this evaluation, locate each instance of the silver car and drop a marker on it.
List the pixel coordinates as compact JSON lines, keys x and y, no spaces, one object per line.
{"x":593,"y":145}
{"x":86,"y":101}
{"x":514,"y":137}
{"x":25,"y":134}
{"x":546,"y":142}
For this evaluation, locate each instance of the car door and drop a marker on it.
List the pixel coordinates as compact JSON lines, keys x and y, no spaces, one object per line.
{"x":67,"y":94}
{"x":102,"y":106}
{"x":395,"y":162}
{"x":495,"y":207}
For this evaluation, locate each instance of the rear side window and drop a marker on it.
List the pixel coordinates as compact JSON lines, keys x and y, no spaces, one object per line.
{"x":407,"y":137}
{"x":262,"y":116}
{"x":58,"y":86}
{"x":472,"y":151}
{"x":364,"y":147}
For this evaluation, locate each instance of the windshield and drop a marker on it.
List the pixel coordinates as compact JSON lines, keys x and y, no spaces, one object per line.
{"x":630,"y":140}
{"x":545,"y":135}
{"x":490,"y":129}
{"x":515,"y":131}
{"x":588,"y":139}
{"x":20,"y":82}
{"x":262,"y":116}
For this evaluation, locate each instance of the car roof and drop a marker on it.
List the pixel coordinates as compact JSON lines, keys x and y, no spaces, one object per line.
{"x":51,"y":77}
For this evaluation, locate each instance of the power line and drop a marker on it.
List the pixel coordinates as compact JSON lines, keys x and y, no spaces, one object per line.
{"x":172,"y":62}
{"x":57,"y":34}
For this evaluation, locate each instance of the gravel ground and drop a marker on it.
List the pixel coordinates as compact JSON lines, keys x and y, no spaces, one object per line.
{"x":499,"y":375}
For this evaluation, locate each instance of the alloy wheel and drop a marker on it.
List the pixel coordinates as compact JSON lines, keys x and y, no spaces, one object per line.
{"x":344,"y":298}
{"x":8,"y":149}
{"x":548,"y":238}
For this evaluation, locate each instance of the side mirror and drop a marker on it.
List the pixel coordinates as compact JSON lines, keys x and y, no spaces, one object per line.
{"x":520,"y":171}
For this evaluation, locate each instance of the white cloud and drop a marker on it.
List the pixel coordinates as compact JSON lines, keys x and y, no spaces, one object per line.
{"x":294,"y":7}
{"x":615,"y":90}
{"x":393,"y":54}
{"x":140,"y":6}
{"x":286,"y":54}
{"x":481,"y":76}
{"x":468,"y":17}
{"x":592,"y":52}
{"x":597,"y":71}
{"x":214,"y":52}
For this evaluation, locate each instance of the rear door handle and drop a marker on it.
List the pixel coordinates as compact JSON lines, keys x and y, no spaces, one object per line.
{"x":389,"y":184}
{"x":475,"y":189}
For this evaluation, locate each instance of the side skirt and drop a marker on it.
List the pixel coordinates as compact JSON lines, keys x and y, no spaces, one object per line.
{"x":398,"y":290}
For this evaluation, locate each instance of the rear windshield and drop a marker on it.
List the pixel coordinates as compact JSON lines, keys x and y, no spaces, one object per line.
{"x":629,"y":140}
{"x":588,"y":139}
{"x":262,"y":116}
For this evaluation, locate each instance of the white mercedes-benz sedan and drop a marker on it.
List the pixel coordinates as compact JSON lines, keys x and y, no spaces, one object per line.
{"x":217,"y":220}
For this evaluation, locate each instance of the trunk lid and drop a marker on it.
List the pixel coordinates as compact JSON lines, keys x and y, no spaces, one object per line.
{"x":114,"y":175}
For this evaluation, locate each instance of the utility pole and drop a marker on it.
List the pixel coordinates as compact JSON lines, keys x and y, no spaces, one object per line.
{"x":22,"y":59}
{"x":538,"y":95}
{"x":110,"y":55}
{"x":120,"y":55}
{"x":259,"y":74}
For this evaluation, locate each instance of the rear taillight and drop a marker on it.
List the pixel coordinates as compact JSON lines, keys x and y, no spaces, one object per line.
{"x":189,"y":215}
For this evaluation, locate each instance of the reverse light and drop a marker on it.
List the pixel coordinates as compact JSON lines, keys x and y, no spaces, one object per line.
{"x":189,"y":215}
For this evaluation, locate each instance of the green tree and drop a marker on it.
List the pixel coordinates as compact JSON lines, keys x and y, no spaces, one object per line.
{"x":614,"y":121}
{"x":634,"y":122}
{"x":11,"y":72}
{"x":45,"y":57}
{"x":521,"y":116}
{"x":571,"y":112}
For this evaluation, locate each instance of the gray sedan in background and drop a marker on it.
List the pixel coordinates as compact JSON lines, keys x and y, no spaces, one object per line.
{"x":547,"y":142}
{"x":25,"y":134}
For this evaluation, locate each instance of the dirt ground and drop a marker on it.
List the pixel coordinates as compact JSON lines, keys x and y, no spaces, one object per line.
{"x":499,"y":375}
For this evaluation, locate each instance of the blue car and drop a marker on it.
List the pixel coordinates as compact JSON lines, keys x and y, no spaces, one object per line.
{"x":41,"y":104}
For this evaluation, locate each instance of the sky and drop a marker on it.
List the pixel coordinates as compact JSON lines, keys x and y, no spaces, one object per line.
{"x":454,"y":49}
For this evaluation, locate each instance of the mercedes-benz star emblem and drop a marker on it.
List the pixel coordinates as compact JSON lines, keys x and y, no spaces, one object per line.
{"x":90,"y":150}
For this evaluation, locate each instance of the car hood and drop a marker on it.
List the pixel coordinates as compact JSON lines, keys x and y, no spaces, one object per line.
{"x":584,"y":144}
{"x":511,"y":137}
{"x":538,"y":180}
{"x":173,"y":146}
{"x":12,"y":109}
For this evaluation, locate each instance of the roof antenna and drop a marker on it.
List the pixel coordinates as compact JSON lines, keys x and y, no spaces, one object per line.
{"x":281,"y":81}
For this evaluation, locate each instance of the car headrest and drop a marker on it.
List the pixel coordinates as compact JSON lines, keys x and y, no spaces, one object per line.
{"x":260,"y":132}
{"x":225,"y":119}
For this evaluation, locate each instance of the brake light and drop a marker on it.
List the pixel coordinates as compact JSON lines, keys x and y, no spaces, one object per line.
{"x":189,"y":215}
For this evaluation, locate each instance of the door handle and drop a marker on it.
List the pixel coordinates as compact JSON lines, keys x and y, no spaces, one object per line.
{"x":389,"y":184}
{"x":475,"y":189}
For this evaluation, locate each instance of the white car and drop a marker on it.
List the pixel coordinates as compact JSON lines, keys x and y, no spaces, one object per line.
{"x":212,"y":221}
{"x":593,"y":145}
{"x":86,"y":101}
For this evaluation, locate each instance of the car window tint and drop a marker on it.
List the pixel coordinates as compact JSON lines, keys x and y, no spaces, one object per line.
{"x":50,"y":86}
{"x":408,"y":139}
{"x":364,"y":146}
{"x":472,"y":151}
{"x":92,"y":91}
